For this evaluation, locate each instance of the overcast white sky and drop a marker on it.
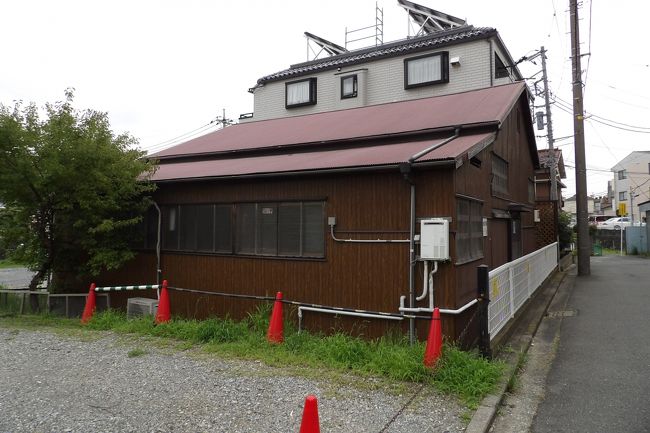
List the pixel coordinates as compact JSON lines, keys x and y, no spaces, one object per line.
{"x":163,"y":68}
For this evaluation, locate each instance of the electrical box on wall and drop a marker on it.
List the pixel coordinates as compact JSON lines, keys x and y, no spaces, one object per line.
{"x":434,"y":239}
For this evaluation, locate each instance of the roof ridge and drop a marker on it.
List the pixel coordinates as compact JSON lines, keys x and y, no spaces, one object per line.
{"x":382,"y":51}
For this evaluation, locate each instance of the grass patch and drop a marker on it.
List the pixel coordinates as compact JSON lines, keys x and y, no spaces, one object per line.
{"x":464,"y":374}
{"x":7,"y":263}
{"x":134,"y":353}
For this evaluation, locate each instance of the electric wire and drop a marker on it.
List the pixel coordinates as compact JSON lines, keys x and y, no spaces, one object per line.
{"x":185,"y":136}
{"x":297,"y":303}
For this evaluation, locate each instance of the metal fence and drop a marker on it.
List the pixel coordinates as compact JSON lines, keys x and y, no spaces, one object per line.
{"x":513,"y":283}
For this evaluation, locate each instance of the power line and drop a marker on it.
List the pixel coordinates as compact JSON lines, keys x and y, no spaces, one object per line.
{"x":184,"y":136}
{"x":560,"y":103}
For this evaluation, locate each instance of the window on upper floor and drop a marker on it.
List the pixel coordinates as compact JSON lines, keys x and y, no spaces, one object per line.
{"x":499,"y":175}
{"x":349,"y":87}
{"x":500,"y":70}
{"x":426,"y":70}
{"x":300,"y":93}
{"x":622,"y":195}
{"x":622,"y":174}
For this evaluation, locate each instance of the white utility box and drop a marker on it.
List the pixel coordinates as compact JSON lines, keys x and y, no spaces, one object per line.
{"x":141,"y":307}
{"x":434,"y":239}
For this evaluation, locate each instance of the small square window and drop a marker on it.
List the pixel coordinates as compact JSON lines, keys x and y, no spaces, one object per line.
{"x":349,"y":87}
{"x":426,"y":70}
{"x":622,"y":174}
{"x":622,"y":195}
{"x":300,"y":93}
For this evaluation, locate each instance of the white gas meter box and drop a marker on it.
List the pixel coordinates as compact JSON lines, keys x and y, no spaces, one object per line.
{"x":434,"y":239}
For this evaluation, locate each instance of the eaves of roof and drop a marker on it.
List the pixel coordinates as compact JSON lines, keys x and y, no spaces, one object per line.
{"x":437,"y":40}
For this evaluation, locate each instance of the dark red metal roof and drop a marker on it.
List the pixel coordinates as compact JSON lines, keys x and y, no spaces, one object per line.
{"x":468,"y":108}
{"x":309,"y":161}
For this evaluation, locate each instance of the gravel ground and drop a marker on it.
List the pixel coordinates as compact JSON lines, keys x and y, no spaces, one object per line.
{"x":15,"y":278}
{"x":61,"y":383}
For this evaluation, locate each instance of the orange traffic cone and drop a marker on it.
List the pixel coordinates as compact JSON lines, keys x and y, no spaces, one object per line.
{"x":434,"y":342}
{"x":310,"y":422}
{"x":276,"y":327}
{"x":164,"y":312}
{"x":91,"y":303}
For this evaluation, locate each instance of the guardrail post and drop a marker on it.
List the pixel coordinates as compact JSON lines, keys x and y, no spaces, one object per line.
{"x":511,"y":284}
{"x":483,"y":298}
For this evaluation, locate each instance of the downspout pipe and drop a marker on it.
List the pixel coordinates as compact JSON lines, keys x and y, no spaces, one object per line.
{"x":158,"y":232}
{"x":406,"y":170}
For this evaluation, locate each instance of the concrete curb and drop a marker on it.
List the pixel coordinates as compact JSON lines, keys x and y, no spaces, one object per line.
{"x":482,"y":419}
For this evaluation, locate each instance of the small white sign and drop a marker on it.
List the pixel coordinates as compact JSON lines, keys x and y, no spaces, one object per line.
{"x":267,"y":211}
{"x":485,"y":228}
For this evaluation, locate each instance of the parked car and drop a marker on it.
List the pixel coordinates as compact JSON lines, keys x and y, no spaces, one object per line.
{"x":597,"y":219}
{"x":615,"y":223}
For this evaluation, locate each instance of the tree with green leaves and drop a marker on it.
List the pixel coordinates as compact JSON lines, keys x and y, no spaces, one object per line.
{"x":73,"y":192}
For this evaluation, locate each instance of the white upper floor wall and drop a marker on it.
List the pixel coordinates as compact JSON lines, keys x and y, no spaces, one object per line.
{"x":468,"y":65}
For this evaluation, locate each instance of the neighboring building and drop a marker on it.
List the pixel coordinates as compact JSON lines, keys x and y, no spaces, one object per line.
{"x":570,"y":207}
{"x":547,"y":210}
{"x":631,"y":184}
{"x":312,"y":194}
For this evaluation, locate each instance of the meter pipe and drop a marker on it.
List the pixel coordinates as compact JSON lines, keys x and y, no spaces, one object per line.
{"x":406,"y":171}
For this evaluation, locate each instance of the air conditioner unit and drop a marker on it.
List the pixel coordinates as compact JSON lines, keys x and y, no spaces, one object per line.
{"x":136,"y":307}
{"x":434,"y":239}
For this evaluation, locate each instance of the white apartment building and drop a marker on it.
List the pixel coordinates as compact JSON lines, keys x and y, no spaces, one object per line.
{"x":631,"y":184}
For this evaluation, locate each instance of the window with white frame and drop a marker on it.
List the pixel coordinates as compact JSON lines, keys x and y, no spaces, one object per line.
{"x":622,"y":195}
{"x":426,"y":70}
{"x":469,"y":230}
{"x":349,"y":87}
{"x":300,"y":93}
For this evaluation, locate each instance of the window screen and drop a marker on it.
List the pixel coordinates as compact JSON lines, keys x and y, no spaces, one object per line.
{"x":170,"y":227}
{"x":188,"y":227}
{"x":313,"y":230}
{"x":267,"y":229}
{"x":499,"y":175}
{"x":205,"y":228}
{"x":245,"y":216}
{"x":469,"y":230}
{"x":223,"y":229}
{"x":289,"y":223}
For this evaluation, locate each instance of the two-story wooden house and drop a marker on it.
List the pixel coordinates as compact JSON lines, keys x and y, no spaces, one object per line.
{"x":325,"y":193}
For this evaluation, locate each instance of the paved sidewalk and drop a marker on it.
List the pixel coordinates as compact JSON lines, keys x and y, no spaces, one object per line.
{"x":600,"y":378}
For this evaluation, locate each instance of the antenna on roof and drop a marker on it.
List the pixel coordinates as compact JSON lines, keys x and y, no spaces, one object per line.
{"x":326,"y":46}
{"x":428,"y":20}
{"x":378,"y":28}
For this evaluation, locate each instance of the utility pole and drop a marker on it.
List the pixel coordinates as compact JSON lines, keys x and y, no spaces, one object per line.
{"x":549,"y":128}
{"x":584,"y":243}
{"x":222,"y":120}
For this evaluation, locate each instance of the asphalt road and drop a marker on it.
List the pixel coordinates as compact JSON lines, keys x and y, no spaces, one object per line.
{"x":600,"y":378}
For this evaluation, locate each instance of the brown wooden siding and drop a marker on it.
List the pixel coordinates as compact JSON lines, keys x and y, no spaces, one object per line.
{"x":367,"y":205}
{"x":366,"y":276}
